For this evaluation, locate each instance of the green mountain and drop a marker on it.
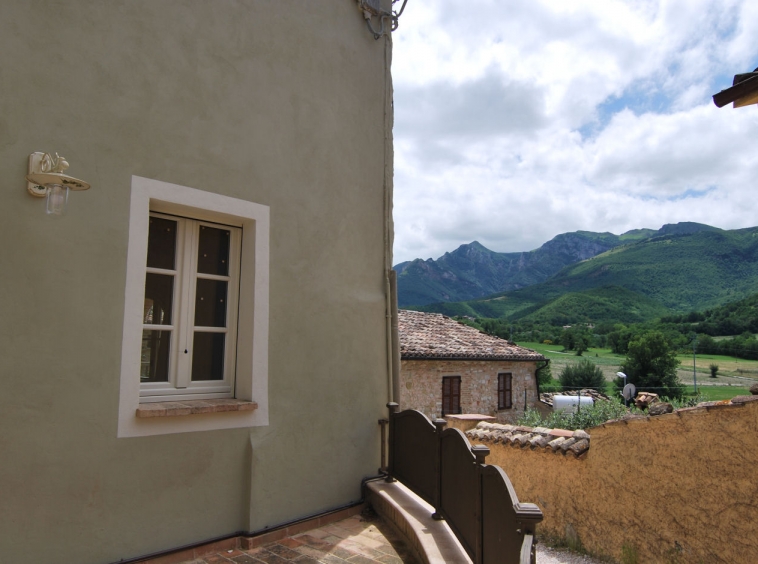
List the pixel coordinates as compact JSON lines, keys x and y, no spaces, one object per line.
{"x":680,"y":269}
{"x":473,"y":271}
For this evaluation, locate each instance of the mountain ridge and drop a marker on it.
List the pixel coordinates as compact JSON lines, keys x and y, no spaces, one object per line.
{"x":678,"y":270}
{"x":472,"y":271}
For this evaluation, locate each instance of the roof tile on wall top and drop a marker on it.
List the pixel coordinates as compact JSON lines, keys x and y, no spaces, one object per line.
{"x":558,"y":441}
{"x":434,"y":336}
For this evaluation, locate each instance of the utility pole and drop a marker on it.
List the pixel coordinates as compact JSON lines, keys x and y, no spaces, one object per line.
{"x":694,"y":373}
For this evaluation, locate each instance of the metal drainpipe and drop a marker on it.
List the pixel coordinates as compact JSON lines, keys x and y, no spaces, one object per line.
{"x":395,"y":338}
{"x":388,"y":225}
{"x":388,"y":323}
{"x":537,"y":377}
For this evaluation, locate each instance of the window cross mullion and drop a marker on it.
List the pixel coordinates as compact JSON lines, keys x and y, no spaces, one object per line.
{"x":187,"y":310}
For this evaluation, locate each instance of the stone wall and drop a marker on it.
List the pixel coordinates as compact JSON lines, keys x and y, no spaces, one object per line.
{"x":421,"y":386}
{"x":676,"y":488}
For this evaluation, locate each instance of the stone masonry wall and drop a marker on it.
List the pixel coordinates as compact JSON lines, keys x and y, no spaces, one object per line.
{"x":676,"y":488}
{"x":421,"y":386}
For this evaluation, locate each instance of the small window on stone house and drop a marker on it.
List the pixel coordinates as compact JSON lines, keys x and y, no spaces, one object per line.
{"x":505,"y":390}
{"x":451,"y":395}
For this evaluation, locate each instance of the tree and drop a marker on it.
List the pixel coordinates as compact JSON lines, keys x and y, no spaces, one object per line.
{"x":584,"y":374}
{"x":651,"y":365}
{"x":582,"y":343}
{"x":575,"y":339}
{"x":707,"y":345}
{"x":545,"y":378}
{"x":618,"y":340}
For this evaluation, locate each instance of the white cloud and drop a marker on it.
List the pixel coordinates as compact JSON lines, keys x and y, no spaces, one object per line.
{"x":519,"y":121}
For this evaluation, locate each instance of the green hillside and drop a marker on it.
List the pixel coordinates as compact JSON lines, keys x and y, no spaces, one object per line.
{"x":678,"y":271}
{"x":683,"y":272}
{"x":733,"y":318}
{"x":611,"y":304}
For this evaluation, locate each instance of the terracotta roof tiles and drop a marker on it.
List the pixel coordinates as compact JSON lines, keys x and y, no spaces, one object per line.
{"x":558,"y":441}
{"x":434,"y":336}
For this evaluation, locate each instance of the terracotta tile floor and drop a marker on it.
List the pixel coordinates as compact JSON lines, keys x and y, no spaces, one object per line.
{"x":362,"y":539}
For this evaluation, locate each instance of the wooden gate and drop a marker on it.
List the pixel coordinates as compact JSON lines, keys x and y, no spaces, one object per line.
{"x":477,"y":500}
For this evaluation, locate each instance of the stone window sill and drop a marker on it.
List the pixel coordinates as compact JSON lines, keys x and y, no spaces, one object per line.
{"x":193,"y":407}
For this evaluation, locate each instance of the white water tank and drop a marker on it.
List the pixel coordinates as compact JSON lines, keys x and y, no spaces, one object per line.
{"x":569,"y":403}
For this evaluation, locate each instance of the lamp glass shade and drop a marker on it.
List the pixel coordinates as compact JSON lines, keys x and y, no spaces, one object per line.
{"x":57,"y":197}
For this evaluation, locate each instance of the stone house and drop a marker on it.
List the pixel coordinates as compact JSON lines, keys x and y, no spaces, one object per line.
{"x":449,"y":368}
{"x":178,"y":360}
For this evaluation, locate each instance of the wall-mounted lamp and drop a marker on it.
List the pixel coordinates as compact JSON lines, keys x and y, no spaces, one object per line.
{"x":46,"y":179}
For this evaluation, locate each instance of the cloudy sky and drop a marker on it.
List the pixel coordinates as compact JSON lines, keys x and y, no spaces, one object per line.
{"x":516,"y":121}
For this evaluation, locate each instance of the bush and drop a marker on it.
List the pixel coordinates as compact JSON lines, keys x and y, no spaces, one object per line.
{"x":584,"y":374}
{"x":692,"y":401}
{"x":585,"y":418}
{"x":714,"y":370}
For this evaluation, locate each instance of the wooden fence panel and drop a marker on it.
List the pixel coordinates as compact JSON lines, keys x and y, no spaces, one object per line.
{"x":414,"y":453}
{"x":459,"y":489}
{"x":506,"y":522}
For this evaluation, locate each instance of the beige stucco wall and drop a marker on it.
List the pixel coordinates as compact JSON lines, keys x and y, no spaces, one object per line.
{"x":279,"y":102}
{"x":421,"y":386}
{"x":674,"y":488}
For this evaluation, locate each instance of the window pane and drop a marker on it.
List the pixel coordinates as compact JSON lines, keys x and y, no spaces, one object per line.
{"x":210,"y":303}
{"x":161,"y":243}
{"x":213,"y":251}
{"x":156,"y":346}
{"x":208,"y":356}
{"x":159,"y":296}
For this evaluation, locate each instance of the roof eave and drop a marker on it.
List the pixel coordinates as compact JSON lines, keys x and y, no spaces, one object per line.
{"x":742,"y":94}
{"x":459,"y":357}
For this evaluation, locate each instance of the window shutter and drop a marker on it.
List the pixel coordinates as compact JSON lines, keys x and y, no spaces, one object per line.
{"x":501,"y":391}
{"x":451,"y":394}
{"x":445,"y":396}
{"x":456,"y":407}
{"x":504,"y":390}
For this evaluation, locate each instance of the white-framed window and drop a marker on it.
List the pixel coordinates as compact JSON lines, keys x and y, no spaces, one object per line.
{"x":196,"y":281}
{"x":189,"y":331}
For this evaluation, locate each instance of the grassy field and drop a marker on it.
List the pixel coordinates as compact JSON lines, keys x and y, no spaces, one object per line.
{"x":735,"y":375}
{"x":716,"y":393}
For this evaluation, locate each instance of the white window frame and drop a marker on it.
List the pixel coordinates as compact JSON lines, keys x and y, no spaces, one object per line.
{"x":251,"y":362}
{"x":180,"y":385}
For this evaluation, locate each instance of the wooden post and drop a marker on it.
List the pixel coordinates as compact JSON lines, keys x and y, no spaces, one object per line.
{"x":480,"y":453}
{"x":383,"y":424}
{"x":439,"y":426}
{"x":392,"y":406}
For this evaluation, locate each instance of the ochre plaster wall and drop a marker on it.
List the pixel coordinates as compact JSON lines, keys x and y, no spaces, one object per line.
{"x":279,"y":102}
{"x":421,"y":386}
{"x":674,"y":488}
